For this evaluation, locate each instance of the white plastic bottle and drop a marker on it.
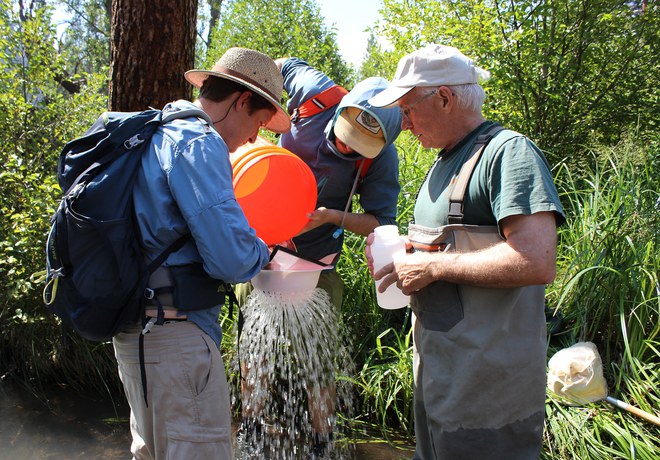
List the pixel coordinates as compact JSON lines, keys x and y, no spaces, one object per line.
{"x":386,"y":246}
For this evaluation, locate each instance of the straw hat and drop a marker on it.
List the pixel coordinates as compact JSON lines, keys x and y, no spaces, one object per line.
{"x":255,"y":71}
{"x":361,"y":131}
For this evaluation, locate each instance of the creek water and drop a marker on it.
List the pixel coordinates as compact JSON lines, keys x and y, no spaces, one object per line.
{"x":65,"y":425}
{"x":290,"y":348}
{"x":61,"y":424}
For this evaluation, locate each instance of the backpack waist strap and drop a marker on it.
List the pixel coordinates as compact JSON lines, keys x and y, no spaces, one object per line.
{"x":170,"y":313}
{"x":186,"y":288}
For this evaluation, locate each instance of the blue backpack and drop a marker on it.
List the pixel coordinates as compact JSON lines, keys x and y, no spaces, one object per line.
{"x":96,"y":276}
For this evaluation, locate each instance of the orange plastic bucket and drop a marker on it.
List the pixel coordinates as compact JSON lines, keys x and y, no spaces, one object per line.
{"x":275,"y":189}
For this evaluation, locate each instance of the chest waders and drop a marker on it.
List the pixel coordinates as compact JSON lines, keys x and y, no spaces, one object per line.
{"x":479,"y":359}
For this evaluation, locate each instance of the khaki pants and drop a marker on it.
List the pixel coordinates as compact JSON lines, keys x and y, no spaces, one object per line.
{"x":188,"y":414}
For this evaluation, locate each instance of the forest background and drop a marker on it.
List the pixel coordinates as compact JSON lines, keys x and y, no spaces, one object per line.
{"x":580,"y":77}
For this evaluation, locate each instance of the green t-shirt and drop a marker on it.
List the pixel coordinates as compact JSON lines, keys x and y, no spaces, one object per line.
{"x":512,"y":178}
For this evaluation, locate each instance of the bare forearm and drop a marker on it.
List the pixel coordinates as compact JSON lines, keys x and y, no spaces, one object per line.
{"x":362,"y":224}
{"x":526,"y":257}
{"x":496,"y":267}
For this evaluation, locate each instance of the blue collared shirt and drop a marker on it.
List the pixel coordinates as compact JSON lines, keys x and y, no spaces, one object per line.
{"x":185,"y":185}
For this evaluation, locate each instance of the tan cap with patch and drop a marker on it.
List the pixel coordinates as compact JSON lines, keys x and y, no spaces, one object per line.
{"x":360,"y":131}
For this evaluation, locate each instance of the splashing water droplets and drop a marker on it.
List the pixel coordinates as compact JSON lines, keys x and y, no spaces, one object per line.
{"x":290,"y":356}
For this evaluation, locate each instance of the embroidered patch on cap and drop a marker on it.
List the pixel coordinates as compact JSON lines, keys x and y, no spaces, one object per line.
{"x":360,"y":131}
{"x":368,"y":122}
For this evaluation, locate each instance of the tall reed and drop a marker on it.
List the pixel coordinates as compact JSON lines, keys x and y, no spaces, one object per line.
{"x":608,"y":293}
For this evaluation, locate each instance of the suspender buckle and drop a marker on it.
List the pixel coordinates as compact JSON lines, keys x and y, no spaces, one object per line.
{"x":455,"y":215}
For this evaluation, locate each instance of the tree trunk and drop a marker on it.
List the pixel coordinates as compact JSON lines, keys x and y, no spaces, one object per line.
{"x":214,"y":6}
{"x":153,"y":44}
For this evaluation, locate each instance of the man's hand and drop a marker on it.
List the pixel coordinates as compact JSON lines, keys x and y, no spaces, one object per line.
{"x":321,"y":216}
{"x":397,"y":272}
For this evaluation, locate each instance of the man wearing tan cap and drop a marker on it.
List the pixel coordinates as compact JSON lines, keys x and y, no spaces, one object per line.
{"x":484,"y":240}
{"x":184,"y":186}
{"x":334,"y":142}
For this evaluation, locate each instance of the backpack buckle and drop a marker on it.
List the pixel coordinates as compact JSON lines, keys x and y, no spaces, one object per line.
{"x":132,"y":142}
{"x":148,"y":326}
{"x":295,"y":115}
{"x":149,"y":293}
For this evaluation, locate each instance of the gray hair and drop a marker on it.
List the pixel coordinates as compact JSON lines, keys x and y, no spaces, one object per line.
{"x":470,"y":96}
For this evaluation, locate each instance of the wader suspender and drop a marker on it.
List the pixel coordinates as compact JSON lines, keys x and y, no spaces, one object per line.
{"x":461,"y":180}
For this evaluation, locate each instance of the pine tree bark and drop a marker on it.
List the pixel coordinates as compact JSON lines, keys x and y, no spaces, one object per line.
{"x":153,"y":44}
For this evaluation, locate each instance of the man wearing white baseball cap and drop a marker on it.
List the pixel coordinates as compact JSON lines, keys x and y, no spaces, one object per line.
{"x":484,"y":245}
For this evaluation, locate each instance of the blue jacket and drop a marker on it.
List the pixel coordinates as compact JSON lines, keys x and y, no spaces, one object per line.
{"x":185,"y":185}
{"x":312,"y":139}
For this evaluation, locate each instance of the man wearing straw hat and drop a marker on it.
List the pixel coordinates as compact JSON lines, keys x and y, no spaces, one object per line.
{"x":480,"y":262}
{"x":185,"y":186}
{"x":335,"y":142}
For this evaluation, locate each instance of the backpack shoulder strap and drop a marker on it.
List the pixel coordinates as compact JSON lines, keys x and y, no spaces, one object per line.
{"x":169,"y":115}
{"x":463,"y":178}
{"x":319,"y":103}
{"x":112,"y":135}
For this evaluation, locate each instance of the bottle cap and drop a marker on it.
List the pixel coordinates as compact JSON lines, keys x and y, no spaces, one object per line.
{"x":385,"y":233}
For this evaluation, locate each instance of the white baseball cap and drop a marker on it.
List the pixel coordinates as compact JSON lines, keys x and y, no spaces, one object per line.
{"x":433,"y":65}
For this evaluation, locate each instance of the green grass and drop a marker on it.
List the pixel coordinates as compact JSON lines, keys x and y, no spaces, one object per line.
{"x":607,"y":290}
